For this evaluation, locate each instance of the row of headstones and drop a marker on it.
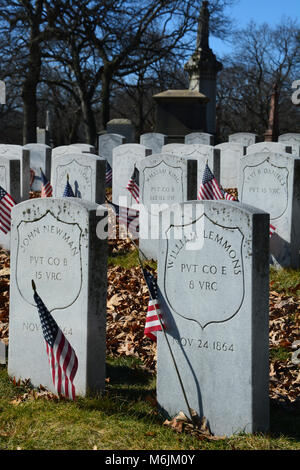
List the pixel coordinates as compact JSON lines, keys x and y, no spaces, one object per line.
{"x":213,"y":293}
{"x":267,"y":180}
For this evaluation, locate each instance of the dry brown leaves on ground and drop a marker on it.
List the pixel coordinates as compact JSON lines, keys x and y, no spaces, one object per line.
{"x":127,"y":301}
{"x":198,"y":427}
{"x":284,"y":332}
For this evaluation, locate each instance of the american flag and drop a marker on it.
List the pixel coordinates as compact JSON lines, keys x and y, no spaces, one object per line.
{"x":128,"y":217}
{"x":108,"y":176}
{"x":6,"y":204}
{"x":32,"y":176}
{"x":153,"y":324}
{"x":68,"y":191}
{"x":133,"y":185}
{"x":209,"y":188}
{"x":46,"y":186}
{"x":272,"y":230}
{"x":62,"y":358}
{"x":227,"y":196}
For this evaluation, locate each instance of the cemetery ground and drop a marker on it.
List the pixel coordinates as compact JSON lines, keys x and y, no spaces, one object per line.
{"x":126,"y":417}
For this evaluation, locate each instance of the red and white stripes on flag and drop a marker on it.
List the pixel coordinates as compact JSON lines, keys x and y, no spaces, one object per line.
{"x":62,"y":358}
{"x":46,"y":190}
{"x":209,"y":188}
{"x":6,"y":205}
{"x":63,"y":365}
{"x":272,"y":230}
{"x":153,"y":324}
{"x":133,"y":185}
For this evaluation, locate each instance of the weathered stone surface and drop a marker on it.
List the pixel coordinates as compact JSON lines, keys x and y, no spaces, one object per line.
{"x":125,"y":158}
{"x":164,"y":180}
{"x":54,"y":243}
{"x":154,"y":141}
{"x":230,"y":162}
{"x":17,"y":151}
{"x":271,"y":182}
{"x":10,"y":180}
{"x":201,"y":153}
{"x":85,"y":148}
{"x":244,"y":138}
{"x":292,"y":139}
{"x":86,"y":176}
{"x":274,"y":147}
{"x":213,"y":291}
{"x":40,"y":157}
{"x":65,"y":149}
{"x":106,"y":144}
{"x":199,"y":138}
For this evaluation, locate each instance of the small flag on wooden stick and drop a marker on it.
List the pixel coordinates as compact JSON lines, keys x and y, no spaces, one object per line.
{"x":62,"y":358}
{"x":6,"y":205}
{"x":154,"y":321}
{"x":133,"y":185}
{"x":46,"y":190}
{"x":68,"y":191}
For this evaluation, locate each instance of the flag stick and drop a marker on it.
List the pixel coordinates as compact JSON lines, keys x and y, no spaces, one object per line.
{"x":170,"y":349}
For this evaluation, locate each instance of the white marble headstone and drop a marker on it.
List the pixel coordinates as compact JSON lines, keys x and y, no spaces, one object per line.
{"x":54,"y":243}
{"x":154,"y":141}
{"x":213,"y":278}
{"x":231,"y":154}
{"x":199,"y":138}
{"x":200,"y":152}
{"x":40,"y":158}
{"x":106,"y":144}
{"x":271,"y":182}
{"x":274,"y":147}
{"x":164,"y":180}
{"x":86,"y":176}
{"x":23,"y":155}
{"x":125,"y":158}
{"x":244,"y":138}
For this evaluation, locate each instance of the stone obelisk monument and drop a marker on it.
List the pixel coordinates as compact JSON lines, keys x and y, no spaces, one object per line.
{"x":203,"y":68}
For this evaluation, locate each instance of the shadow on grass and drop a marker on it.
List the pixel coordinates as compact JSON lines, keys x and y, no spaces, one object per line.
{"x":285,"y":421}
{"x":127,"y":376}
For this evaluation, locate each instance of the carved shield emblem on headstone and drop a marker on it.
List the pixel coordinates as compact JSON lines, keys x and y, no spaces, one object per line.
{"x":204,"y":274}
{"x":49,"y":252}
{"x":161,"y":184}
{"x":265,"y":186}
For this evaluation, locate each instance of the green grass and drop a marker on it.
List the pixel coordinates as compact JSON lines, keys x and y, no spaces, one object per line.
{"x":122,"y":418}
{"x":286,"y":281}
{"x":127,"y":260}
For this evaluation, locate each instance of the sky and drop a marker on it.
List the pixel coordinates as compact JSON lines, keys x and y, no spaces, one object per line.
{"x":261,"y":11}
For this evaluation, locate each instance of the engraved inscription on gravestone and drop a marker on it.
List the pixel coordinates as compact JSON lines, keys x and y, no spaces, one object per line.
{"x":269,"y":180}
{"x":47,"y":266}
{"x":162,"y":184}
{"x":200,"y":278}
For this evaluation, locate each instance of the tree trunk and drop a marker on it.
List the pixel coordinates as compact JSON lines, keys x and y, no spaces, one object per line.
{"x":105,"y":98}
{"x":29,"y":112}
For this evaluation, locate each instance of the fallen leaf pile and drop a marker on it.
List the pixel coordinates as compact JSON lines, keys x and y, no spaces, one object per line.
{"x":284,"y":332}
{"x":127,"y":301}
{"x":198,"y":427}
{"x":29,"y":393}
